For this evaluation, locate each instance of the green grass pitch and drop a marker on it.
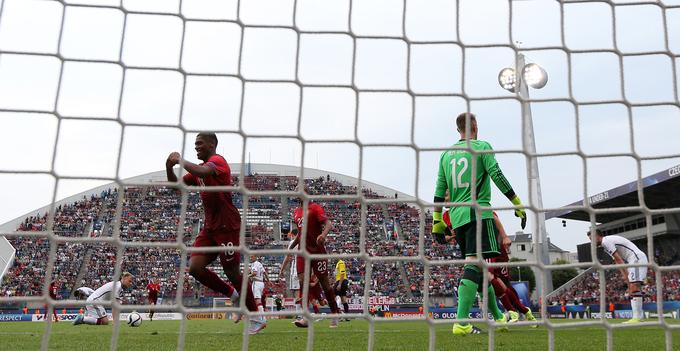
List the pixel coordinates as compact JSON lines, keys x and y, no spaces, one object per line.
{"x":282,"y":335}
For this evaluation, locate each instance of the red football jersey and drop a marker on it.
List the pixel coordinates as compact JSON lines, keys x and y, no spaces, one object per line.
{"x":53,"y":290}
{"x":316,"y":216}
{"x":220,"y":212}
{"x":154,"y":289}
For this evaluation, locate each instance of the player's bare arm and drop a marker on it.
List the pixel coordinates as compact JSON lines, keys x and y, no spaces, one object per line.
{"x":619,"y":260}
{"x":172,"y":160}
{"x":327,"y":225}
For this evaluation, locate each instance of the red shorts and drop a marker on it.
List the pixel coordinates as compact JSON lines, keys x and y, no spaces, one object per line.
{"x":319,"y":267}
{"x":226,"y":239}
{"x":500,"y":272}
{"x":153,"y":300}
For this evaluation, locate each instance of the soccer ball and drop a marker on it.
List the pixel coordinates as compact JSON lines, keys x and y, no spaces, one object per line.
{"x":134,"y":319}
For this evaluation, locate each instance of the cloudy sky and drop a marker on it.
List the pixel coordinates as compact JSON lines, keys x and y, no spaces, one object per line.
{"x":366,"y":89}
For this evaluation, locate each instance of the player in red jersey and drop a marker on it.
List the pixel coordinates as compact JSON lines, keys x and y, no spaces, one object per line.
{"x":318,"y":227}
{"x":315,"y":294}
{"x":499,"y":276}
{"x":501,"y":279}
{"x":222,"y":222}
{"x":53,"y":294}
{"x":154,"y":288}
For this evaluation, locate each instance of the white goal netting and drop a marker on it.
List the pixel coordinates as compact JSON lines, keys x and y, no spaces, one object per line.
{"x":102,"y":91}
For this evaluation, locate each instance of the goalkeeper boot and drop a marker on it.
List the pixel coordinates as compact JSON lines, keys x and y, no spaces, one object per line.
{"x":514,"y":317}
{"x":503,"y":320}
{"x":632,"y":321}
{"x":531,"y":318}
{"x":459,"y":329}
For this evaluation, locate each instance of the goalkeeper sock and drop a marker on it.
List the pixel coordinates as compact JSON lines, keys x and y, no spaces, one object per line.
{"x":493,"y":304}
{"x":467,"y":290}
{"x":345,"y":307}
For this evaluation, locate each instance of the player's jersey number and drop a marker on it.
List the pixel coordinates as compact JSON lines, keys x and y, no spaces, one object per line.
{"x":229,"y":247}
{"x":457,"y":175}
{"x":321,"y":266}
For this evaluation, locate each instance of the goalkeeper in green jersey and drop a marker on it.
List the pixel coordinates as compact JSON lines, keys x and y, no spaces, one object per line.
{"x":456,"y":167}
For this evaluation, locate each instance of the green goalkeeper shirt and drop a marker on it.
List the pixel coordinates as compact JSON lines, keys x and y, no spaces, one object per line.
{"x":455,"y":174}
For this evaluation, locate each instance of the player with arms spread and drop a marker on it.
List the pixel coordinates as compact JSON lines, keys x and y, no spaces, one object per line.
{"x":222,"y":222}
{"x":318,"y":227}
{"x":95,"y":313}
{"x":455,"y":174}
{"x":154,"y":289}
{"x":623,"y":251}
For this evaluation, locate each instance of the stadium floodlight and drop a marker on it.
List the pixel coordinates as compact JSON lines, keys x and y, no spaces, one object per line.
{"x":535,"y":76}
{"x":508,"y":79}
{"x":532,"y":74}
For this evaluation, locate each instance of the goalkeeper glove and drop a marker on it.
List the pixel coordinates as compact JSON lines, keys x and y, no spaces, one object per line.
{"x":438,"y":228}
{"x":520,"y":211}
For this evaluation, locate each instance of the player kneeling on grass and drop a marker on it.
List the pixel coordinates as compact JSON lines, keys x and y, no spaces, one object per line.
{"x":95,"y":314}
{"x":623,"y":251}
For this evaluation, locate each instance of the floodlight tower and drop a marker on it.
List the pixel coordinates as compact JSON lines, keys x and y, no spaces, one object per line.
{"x":517,"y":80}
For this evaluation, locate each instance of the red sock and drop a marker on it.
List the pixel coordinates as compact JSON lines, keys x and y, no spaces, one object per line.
{"x":515,"y":300}
{"x":250,"y":298}
{"x":507,"y":303}
{"x":56,"y":318}
{"x":316,"y":308}
{"x":214,"y":282}
{"x":330,"y":295}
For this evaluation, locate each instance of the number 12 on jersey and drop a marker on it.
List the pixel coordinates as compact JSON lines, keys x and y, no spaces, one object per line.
{"x":457,"y":176}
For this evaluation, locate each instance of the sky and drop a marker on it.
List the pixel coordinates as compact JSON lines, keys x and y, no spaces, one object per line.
{"x":351,"y":102}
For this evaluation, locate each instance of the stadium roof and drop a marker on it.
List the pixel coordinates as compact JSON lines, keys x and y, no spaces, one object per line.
{"x":661,"y":190}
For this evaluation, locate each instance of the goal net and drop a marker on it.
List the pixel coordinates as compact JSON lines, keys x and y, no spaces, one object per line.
{"x":94,"y":95}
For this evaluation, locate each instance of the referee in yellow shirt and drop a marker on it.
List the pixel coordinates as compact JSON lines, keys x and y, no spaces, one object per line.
{"x":342,"y":285}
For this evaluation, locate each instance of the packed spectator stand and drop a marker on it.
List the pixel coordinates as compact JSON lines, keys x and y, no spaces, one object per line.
{"x":152,"y":214}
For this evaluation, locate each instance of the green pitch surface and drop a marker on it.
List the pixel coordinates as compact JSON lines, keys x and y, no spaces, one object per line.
{"x":282,"y":335}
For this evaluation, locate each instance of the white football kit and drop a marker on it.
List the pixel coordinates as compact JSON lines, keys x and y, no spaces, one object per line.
{"x":629,"y":253}
{"x":258,"y":279}
{"x":100,"y":295}
{"x":85,"y":291}
{"x":293,"y":282}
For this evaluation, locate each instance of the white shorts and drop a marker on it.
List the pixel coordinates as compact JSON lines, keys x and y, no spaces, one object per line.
{"x":95,"y":311}
{"x":294,"y":282}
{"x":637,"y":274}
{"x":258,"y":287}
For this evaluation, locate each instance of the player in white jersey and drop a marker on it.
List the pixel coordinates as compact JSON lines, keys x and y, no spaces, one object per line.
{"x":258,"y":274}
{"x":623,"y":251}
{"x":95,"y":314}
{"x":293,"y":280}
{"x":83,"y":293}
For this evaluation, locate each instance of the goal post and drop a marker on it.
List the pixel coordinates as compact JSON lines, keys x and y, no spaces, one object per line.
{"x":221,"y":302}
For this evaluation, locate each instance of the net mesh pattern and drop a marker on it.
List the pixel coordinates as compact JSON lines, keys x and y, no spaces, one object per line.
{"x":121,"y":245}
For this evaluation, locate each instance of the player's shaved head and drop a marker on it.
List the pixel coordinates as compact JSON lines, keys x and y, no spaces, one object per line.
{"x":210,"y":137}
{"x":461,"y":121}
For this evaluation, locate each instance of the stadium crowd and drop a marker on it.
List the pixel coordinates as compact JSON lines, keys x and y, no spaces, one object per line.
{"x":152,"y":214}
